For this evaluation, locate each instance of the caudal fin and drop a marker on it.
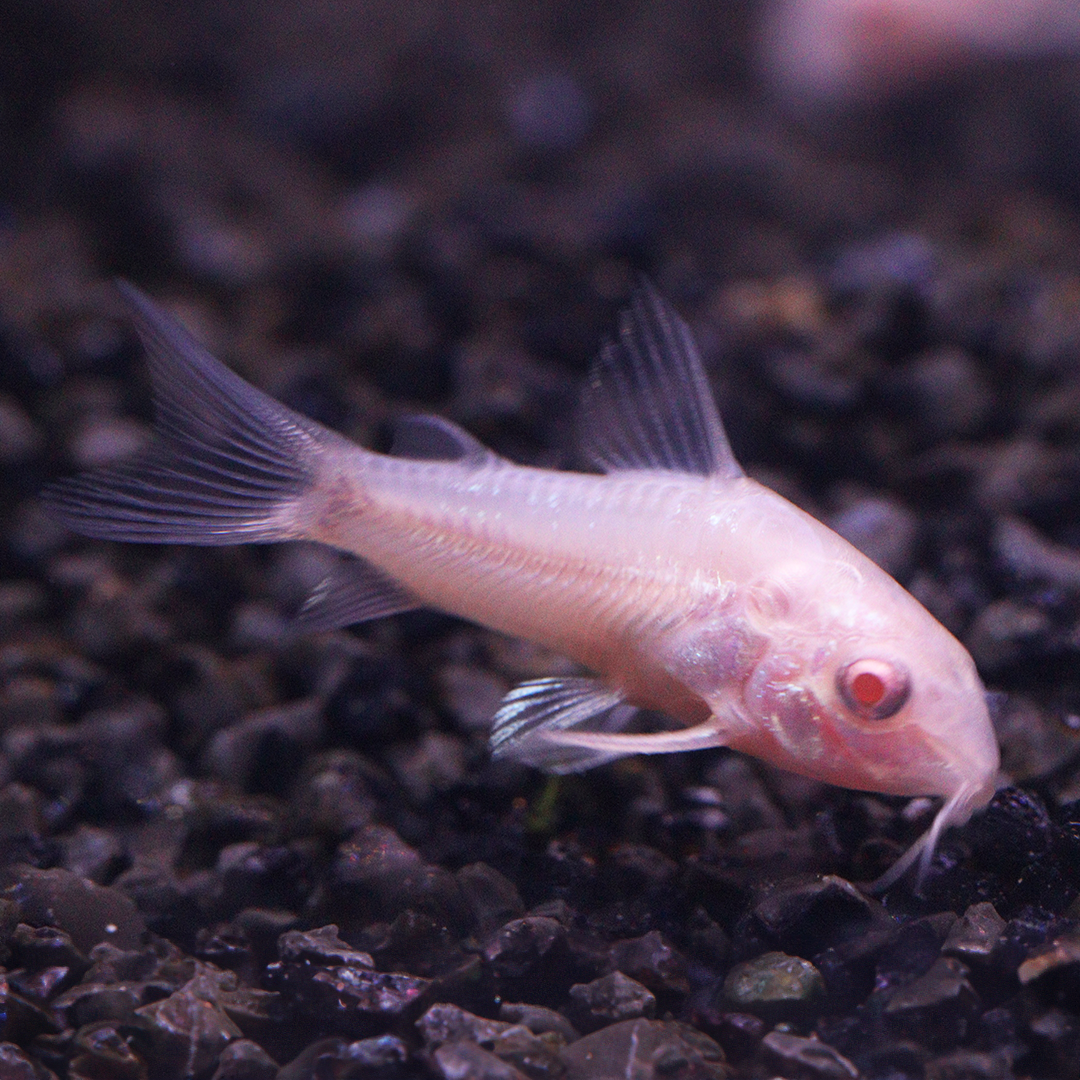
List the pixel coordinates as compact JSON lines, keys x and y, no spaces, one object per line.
{"x":228,"y":464}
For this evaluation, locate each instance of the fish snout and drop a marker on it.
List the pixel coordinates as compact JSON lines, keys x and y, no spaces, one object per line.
{"x":969,"y":758}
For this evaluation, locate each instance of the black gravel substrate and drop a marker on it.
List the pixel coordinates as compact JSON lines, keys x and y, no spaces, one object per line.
{"x":231,"y":851}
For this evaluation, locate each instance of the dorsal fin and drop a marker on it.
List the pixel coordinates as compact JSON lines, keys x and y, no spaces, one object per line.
{"x":432,"y":438}
{"x":647,"y":404}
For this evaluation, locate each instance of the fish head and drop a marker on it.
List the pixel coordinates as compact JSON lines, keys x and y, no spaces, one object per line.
{"x":860,"y":686}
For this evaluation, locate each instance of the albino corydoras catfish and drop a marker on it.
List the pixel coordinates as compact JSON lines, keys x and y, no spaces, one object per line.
{"x":681,"y":584}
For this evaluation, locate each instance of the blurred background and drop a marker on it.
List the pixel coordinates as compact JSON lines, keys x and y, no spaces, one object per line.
{"x":224,"y":145}
{"x":436,"y":192}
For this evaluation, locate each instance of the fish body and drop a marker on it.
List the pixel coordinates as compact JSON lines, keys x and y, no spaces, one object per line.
{"x":683,"y":585}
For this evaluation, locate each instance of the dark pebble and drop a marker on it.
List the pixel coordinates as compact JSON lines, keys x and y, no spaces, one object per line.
{"x":415,"y":942}
{"x":21,"y":1020}
{"x":19,"y":436}
{"x":225,"y":946}
{"x":1006,"y":632}
{"x":257,"y":1013}
{"x":349,"y":1000}
{"x":851,"y":968}
{"x":946,"y":392}
{"x":263,"y":927}
{"x":40,"y":987}
{"x":708,"y":942}
{"x":102,"y":1049}
{"x":245,"y":1060}
{"x":376,"y":874}
{"x":1030,"y":928}
{"x":795,"y":1056}
{"x":1054,"y":1037}
{"x":380,"y":1058}
{"x":113,"y":757}
{"x":639,"y":866}
{"x":818,"y":379}
{"x":608,"y":1000}
{"x":538,"y":1020}
{"x":1013,"y":830}
{"x":891,"y":260}
{"x":467,"y":1061}
{"x":806,"y":915}
{"x":1031,"y":557}
{"x":187,"y":1031}
{"x":451,"y":1024}
{"x":322,"y":947}
{"x":15,"y":1065}
{"x":913,"y":949}
{"x":1054,"y":969}
{"x":653,"y":962}
{"x":264,"y":750}
{"x":338,"y":792}
{"x":549,"y":111}
{"x":94,"y":1003}
{"x":434,"y":764}
{"x":937,"y":1007}
{"x":969,"y":1065}
{"x":740,"y":1034}
{"x":45,"y":946}
{"x":524,"y":946}
{"x":1034,"y":741}
{"x":645,"y":1049}
{"x":94,"y":853}
{"x":998,"y":1030}
{"x":739,"y":790}
{"x":23,"y":812}
{"x":538,"y":1058}
{"x":368,"y":699}
{"x":492,"y":897}
{"x":89,"y":913}
{"x":162,"y":901}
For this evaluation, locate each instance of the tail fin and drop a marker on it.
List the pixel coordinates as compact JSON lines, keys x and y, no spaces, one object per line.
{"x":228,"y":464}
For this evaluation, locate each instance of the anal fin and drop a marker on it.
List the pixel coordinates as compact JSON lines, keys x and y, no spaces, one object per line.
{"x":353,"y":592}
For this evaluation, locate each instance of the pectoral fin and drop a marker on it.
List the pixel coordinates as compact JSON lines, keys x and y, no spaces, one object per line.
{"x":573,"y":724}
{"x":536,"y":718}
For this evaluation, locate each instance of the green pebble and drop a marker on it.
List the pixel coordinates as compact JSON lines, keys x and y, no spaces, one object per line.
{"x":773,"y":979}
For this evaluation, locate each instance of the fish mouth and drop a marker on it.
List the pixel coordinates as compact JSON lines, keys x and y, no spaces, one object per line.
{"x":962,"y":771}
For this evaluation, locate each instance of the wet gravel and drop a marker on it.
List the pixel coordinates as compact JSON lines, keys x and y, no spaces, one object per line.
{"x":231,"y":850}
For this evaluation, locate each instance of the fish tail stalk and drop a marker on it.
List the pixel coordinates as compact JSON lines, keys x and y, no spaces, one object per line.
{"x":228,"y":464}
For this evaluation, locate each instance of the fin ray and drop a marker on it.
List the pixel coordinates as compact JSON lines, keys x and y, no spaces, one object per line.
{"x":647,"y":404}
{"x":353,"y":592}
{"x":434,"y":438}
{"x":531,"y":716}
{"x":226,"y":462}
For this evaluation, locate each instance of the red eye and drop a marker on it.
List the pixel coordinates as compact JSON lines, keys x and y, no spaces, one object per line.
{"x":874,"y":689}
